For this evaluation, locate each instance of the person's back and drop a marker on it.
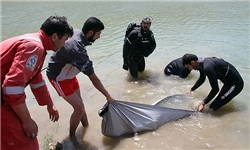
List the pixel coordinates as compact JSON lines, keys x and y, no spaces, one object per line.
{"x":223,"y":70}
{"x":176,"y":67}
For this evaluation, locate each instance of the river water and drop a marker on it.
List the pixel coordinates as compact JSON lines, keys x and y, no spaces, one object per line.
{"x":205,"y":28}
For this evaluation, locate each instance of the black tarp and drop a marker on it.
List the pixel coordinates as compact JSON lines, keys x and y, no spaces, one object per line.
{"x":122,"y":117}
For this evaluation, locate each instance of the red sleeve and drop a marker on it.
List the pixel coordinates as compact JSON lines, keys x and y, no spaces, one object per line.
{"x":21,"y":71}
{"x":40,"y":90}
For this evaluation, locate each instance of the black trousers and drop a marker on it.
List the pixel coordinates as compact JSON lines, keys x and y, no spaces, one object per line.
{"x":136,"y":65}
{"x":227,"y":93}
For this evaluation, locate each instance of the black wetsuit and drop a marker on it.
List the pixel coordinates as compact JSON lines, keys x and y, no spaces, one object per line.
{"x":176,"y":67}
{"x":136,"y":46}
{"x":217,"y":68}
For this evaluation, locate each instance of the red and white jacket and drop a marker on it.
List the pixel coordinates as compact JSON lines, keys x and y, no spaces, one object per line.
{"x":22,"y":59}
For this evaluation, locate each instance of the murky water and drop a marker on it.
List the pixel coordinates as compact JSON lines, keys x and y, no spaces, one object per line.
{"x":204,"y":28}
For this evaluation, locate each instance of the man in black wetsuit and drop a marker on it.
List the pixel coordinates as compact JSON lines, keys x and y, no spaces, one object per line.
{"x":176,"y":67}
{"x":140,"y":43}
{"x":215,"y":68}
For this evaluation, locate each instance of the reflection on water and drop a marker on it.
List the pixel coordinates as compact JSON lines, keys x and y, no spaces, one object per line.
{"x":178,"y":101}
{"x":205,"y":28}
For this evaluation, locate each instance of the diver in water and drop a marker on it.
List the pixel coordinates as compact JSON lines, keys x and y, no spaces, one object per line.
{"x":139,"y":43}
{"x":215,"y":68}
{"x":175,"y":67}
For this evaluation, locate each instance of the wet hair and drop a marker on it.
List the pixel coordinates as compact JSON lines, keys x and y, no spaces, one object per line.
{"x":187,"y":58}
{"x":147,"y":19}
{"x":57,"y":24}
{"x":92,"y":23}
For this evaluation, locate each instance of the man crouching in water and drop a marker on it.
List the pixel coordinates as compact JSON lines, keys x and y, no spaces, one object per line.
{"x":215,"y":68}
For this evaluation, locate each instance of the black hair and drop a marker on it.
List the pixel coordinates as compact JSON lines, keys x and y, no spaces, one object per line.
{"x":57,"y":24}
{"x":187,"y":58}
{"x":92,"y":23}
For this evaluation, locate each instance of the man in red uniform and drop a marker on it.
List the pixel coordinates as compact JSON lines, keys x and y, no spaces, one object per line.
{"x":22,"y":58}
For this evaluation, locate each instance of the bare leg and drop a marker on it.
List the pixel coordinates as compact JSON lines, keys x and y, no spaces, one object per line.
{"x":84,"y":119}
{"x":79,"y":112}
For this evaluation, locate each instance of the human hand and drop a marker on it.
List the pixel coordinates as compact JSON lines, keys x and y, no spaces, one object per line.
{"x":125,"y":66}
{"x":188,"y":92}
{"x":53,"y":113}
{"x":146,"y":53}
{"x":201,"y":106}
{"x":125,"y":59}
{"x":30,"y":128}
{"x":110,"y":99}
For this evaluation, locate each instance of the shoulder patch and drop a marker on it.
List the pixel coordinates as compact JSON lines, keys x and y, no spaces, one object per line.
{"x":31,"y":62}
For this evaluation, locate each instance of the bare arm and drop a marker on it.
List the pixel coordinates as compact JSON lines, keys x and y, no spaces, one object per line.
{"x":99,"y":86}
